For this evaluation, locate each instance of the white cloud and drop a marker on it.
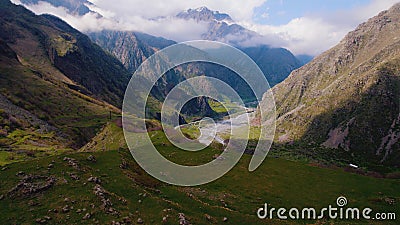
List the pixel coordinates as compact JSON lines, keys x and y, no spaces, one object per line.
{"x":301,"y":35}
{"x":168,"y":27}
{"x":313,"y":34}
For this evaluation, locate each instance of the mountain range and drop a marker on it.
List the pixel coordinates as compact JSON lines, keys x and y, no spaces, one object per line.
{"x":132,"y":48}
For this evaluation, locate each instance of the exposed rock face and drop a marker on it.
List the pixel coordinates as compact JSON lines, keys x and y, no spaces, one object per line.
{"x":25,"y":115}
{"x":348,"y":97}
{"x":338,"y":137}
{"x":390,"y":140}
{"x":31,"y":184}
{"x":221,"y":27}
{"x":103,"y":195}
{"x":131,"y":48}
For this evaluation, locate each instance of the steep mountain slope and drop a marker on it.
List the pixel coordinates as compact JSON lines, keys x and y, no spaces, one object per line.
{"x":276,"y":63}
{"x":51,"y":85}
{"x":131,"y":48}
{"x":46,"y":42}
{"x":42,"y":117}
{"x":348,"y":97}
{"x":84,"y":62}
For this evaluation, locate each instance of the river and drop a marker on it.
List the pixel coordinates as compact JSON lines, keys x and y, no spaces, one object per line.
{"x":215,"y":131}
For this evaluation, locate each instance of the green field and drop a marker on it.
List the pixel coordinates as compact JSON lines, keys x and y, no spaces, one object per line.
{"x":134,"y":194}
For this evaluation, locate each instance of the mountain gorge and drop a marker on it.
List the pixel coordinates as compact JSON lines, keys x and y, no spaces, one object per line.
{"x":132,"y":48}
{"x":348,"y":97}
{"x":346,"y":93}
{"x":58,"y":88}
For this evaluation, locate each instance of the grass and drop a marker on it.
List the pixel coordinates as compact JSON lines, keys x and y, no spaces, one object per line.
{"x":191,"y":131}
{"x":79,"y":117}
{"x":27,"y":144}
{"x":223,"y":108}
{"x":64,"y":45}
{"x":110,"y":137}
{"x":237,"y":195}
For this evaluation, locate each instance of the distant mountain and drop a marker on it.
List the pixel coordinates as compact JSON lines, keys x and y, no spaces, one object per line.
{"x":348,"y":97}
{"x":221,"y":27}
{"x":131,"y":48}
{"x":304,"y":59}
{"x":275,"y":63}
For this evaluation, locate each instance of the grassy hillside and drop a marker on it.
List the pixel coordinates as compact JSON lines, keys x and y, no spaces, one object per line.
{"x":346,"y":99}
{"x":41,"y":117}
{"x":57,"y":51}
{"x":44,"y":111}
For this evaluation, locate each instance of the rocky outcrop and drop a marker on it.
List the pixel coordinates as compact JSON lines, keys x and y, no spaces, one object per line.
{"x":125,"y":46}
{"x":32,"y":184}
{"x":390,"y":140}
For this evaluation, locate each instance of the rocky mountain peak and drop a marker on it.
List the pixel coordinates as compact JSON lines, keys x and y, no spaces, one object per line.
{"x":205,"y":14}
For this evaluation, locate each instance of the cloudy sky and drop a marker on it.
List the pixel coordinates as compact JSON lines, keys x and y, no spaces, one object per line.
{"x":304,"y":27}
